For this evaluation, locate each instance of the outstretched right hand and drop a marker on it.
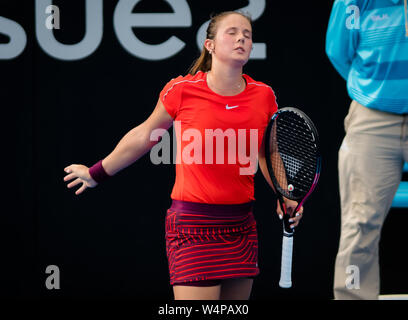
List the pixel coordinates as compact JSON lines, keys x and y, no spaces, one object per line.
{"x":81,"y":173}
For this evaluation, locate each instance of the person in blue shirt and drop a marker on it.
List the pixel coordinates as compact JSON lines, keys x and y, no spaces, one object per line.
{"x":367,"y":43}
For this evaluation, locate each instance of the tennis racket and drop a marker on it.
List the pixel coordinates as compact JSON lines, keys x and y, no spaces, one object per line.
{"x":290,"y":161}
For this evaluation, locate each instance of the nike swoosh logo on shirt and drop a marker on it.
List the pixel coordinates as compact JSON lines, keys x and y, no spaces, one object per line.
{"x":230,"y":107}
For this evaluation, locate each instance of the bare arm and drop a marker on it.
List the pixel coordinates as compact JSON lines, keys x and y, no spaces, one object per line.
{"x":130,"y":148}
{"x":136,"y":142}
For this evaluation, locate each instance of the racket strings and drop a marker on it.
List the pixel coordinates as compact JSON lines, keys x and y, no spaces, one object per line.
{"x":294,"y":155}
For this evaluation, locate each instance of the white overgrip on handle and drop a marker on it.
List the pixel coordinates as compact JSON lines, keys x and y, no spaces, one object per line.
{"x":286,"y":263}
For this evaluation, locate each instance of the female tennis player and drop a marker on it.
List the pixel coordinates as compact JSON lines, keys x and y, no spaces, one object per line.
{"x":211,"y":236}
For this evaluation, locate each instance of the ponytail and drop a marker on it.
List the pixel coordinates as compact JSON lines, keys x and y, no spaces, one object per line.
{"x":203,"y":63}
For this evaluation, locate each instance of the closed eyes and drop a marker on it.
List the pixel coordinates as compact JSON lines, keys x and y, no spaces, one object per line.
{"x":233,"y":31}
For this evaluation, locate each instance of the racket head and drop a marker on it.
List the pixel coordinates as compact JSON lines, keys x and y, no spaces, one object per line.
{"x":291,"y":154}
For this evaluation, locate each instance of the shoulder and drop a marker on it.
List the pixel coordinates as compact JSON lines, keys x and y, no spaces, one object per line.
{"x":174,"y":88}
{"x":361,"y":4}
{"x":348,"y":2}
{"x":258,"y":85}
{"x":181,"y":81}
{"x":263,"y":93}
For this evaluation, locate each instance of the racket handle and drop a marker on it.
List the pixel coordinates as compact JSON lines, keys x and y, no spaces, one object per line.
{"x":286,"y":263}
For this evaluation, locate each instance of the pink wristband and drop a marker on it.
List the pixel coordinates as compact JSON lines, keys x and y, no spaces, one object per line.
{"x":98,"y":173}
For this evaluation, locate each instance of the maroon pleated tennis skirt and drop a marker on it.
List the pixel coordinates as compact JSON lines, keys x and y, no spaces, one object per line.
{"x":210,"y":242}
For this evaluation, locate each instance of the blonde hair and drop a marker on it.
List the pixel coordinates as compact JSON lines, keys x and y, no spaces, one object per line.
{"x":203,"y":62}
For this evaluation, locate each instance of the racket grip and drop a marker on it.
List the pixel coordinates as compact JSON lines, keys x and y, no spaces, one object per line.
{"x":286,"y":263}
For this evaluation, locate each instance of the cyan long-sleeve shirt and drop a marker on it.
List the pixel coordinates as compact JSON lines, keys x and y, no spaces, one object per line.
{"x":367,"y":43}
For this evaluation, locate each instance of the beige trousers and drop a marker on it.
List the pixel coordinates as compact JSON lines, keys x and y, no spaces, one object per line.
{"x":370,"y":164}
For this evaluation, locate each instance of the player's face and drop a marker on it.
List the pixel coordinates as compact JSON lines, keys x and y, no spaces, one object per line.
{"x":233,"y":40}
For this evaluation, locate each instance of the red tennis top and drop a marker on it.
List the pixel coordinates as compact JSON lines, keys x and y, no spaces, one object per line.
{"x":218,"y":138}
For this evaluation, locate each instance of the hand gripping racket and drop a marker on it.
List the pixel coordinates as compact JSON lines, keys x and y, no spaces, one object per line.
{"x":290,"y":161}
